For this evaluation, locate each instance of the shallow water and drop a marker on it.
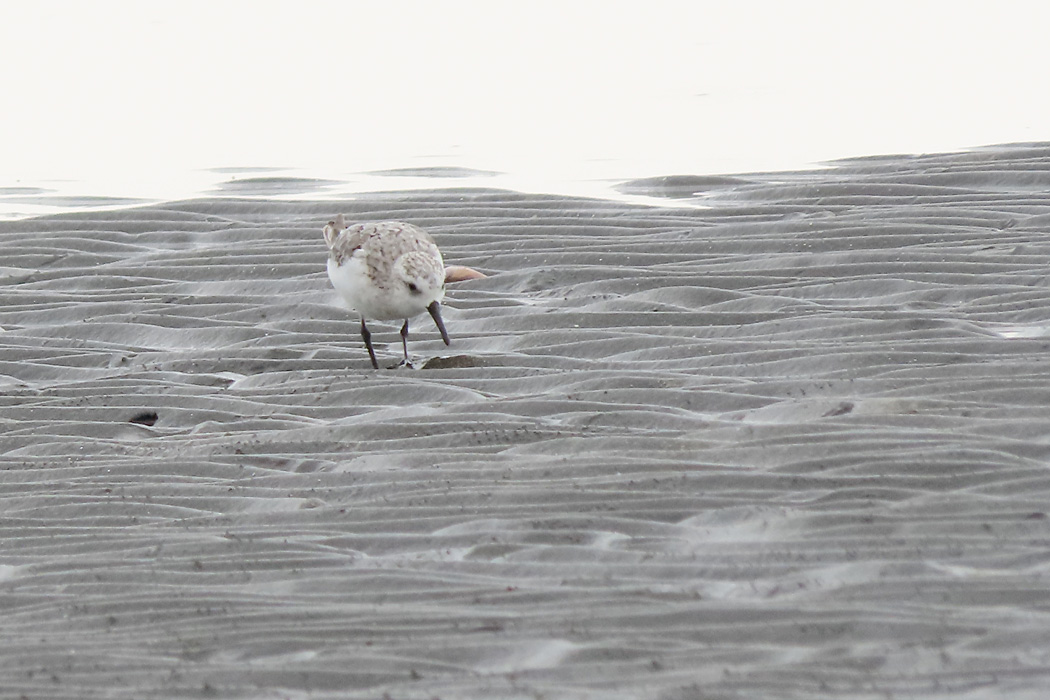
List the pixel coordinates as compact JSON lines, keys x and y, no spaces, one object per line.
{"x":169,"y":100}
{"x":783,"y":437}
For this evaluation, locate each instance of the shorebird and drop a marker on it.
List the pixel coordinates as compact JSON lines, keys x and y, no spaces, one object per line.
{"x":389,"y":270}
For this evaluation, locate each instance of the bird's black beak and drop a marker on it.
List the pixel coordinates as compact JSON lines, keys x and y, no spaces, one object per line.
{"x":435,"y":313}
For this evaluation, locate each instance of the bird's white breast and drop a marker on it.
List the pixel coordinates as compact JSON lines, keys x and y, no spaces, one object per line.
{"x":388,"y":301}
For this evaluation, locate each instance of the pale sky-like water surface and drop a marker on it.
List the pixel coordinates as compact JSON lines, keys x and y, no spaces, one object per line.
{"x":163,"y":100}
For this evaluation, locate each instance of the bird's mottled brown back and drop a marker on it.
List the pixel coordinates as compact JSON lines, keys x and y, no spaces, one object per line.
{"x":383,"y":243}
{"x":348,"y":240}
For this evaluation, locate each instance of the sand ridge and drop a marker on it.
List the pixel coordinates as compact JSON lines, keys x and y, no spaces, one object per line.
{"x":784,"y":437}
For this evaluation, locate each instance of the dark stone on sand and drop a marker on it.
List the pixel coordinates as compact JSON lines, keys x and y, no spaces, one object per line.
{"x":144,"y":418}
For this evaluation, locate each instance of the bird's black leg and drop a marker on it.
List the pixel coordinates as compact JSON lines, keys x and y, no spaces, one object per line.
{"x":367,"y":336}
{"x":404,"y":339}
{"x":435,"y":313}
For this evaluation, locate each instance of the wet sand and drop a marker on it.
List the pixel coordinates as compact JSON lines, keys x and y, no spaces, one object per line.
{"x":784,"y":437}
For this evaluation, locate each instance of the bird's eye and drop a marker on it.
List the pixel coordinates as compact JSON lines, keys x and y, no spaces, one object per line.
{"x":413,"y":288}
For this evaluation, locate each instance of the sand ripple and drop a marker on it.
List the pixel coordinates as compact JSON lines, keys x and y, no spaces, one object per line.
{"x":785,"y":437}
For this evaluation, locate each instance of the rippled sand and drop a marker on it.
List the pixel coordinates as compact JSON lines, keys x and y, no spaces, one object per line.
{"x":791,"y":443}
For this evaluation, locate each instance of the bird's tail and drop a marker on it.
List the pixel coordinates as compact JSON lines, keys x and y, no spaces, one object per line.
{"x":333,"y":229}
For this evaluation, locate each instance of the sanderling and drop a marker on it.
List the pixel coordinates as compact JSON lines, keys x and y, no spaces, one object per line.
{"x":389,"y":270}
